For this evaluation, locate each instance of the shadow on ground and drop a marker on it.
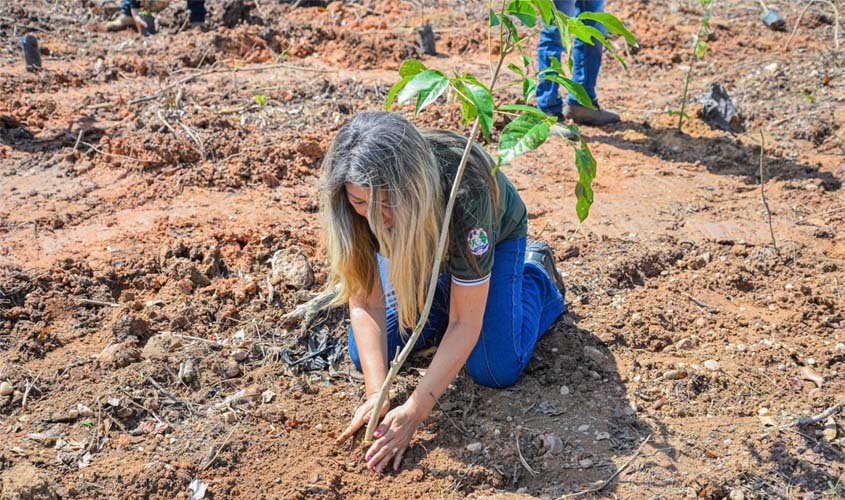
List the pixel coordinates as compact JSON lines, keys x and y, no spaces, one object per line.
{"x":722,"y":155}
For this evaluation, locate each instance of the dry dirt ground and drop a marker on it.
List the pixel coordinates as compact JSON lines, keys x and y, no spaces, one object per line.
{"x":157,"y":222}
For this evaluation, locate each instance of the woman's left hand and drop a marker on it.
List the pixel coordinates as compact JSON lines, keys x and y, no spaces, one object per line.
{"x":393,"y":437}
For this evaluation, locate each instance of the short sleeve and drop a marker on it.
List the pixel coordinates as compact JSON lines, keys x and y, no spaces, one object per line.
{"x":471,"y":256}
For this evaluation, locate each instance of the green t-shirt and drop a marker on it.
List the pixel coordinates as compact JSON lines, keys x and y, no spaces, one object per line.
{"x":483,"y":227}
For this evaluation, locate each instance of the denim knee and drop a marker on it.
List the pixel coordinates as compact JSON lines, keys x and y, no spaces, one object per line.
{"x":482,"y":374}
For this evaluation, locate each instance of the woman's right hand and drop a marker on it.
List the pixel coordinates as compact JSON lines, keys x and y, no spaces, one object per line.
{"x":362,"y":416}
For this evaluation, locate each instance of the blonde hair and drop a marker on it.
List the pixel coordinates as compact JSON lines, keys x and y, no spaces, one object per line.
{"x":385,"y":153}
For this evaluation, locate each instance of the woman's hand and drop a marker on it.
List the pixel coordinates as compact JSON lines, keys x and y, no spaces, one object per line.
{"x":393,"y":436}
{"x":362,"y":416}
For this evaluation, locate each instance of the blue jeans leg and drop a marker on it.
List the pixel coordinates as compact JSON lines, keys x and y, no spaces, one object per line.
{"x":127,"y":5}
{"x":586,"y":58}
{"x":197,"y":9}
{"x":522,"y":305}
{"x":438,"y":318}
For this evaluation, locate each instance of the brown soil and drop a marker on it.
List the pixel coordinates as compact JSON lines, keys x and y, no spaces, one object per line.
{"x":173,"y":207}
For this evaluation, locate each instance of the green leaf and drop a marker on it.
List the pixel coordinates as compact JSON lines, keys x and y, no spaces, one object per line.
{"x":576,"y":89}
{"x":427,"y":85}
{"x":671,"y":112}
{"x":523,"y":108}
{"x":522,"y":10}
{"x":546,"y":8}
{"x":494,"y":18}
{"x":260,"y":99}
{"x":612,"y":23}
{"x":411,"y":67}
{"x":86,"y":423}
{"x":529,"y":86}
{"x":516,"y":69}
{"x":429,"y":95}
{"x":700,"y":49}
{"x":586,"y":165}
{"x":483,"y":101}
{"x":514,"y":33}
{"x":523,"y":134}
{"x":468,"y":108}
{"x":394,"y":89}
{"x":588,"y":33}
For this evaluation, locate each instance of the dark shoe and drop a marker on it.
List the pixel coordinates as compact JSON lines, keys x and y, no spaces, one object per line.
{"x":541,"y":253}
{"x":586,"y":116}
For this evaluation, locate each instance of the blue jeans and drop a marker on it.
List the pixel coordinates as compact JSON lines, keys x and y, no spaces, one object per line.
{"x":586,"y":58}
{"x":197,"y":8}
{"x":523,"y":302}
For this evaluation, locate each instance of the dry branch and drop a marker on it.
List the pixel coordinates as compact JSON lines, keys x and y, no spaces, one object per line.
{"x":835,"y":22}
{"x":763,"y":192}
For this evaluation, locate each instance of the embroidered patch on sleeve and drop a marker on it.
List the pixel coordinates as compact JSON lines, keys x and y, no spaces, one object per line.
{"x":478,"y":242}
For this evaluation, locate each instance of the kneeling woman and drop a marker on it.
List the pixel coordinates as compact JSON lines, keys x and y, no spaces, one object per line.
{"x":386,"y":185}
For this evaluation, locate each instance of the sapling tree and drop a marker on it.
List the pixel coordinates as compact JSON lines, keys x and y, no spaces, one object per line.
{"x":699,"y":51}
{"x":528,"y":127}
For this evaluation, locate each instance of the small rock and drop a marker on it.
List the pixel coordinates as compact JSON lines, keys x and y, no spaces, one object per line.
{"x":700,"y":323}
{"x":583,"y":428}
{"x":811,"y":361}
{"x":130,"y":325}
{"x":84,"y":411}
{"x":839,"y":346}
{"x":771,"y":68}
{"x":712,"y":365}
{"x":585,"y":463}
{"x":187,"y":371}
{"x":685,"y":344}
{"x":675,"y":375}
{"x":121,"y":354}
{"x":267,"y":396}
{"x":829,"y":432}
{"x":552,"y":444}
{"x":599,"y":357}
{"x":737,"y":494}
{"x":6,"y":388}
{"x":231,"y":369}
{"x":602,"y":436}
{"x":564,"y":390}
{"x":159,"y":347}
{"x":475,"y":447}
{"x":291,"y":268}
{"x":766,"y":416}
{"x":809,"y":374}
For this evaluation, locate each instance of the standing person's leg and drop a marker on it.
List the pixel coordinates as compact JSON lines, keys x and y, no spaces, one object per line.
{"x":522,"y":304}
{"x":438,"y":318}
{"x":197,"y":9}
{"x":549,"y":46}
{"x":586,"y":58}
{"x":586,"y":63}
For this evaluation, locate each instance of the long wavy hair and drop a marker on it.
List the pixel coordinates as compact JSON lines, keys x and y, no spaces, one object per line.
{"x":415,"y":168}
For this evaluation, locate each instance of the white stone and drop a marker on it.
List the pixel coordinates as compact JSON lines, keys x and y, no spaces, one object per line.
{"x":475,"y":447}
{"x":564,"y":390}
{"x":711,"y":364}
{"x":585,"y":463}
{"x":583,"y":428}
{"x":6,"y":388}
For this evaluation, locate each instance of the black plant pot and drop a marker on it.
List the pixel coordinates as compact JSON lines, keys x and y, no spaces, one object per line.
{"x":151,"y":24}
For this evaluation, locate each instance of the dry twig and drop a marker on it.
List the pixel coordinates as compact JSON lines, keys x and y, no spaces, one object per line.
{"x":763,"y":192}
{"x":835,"y":22}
